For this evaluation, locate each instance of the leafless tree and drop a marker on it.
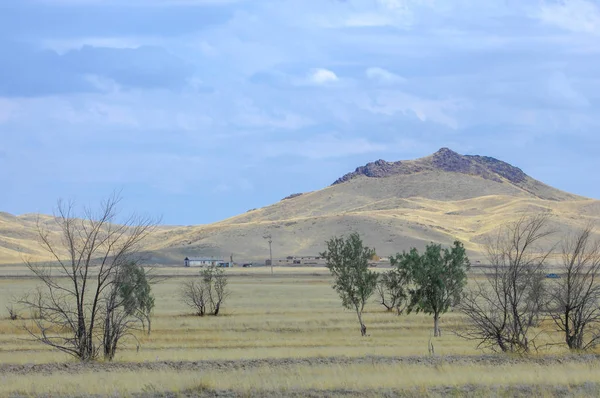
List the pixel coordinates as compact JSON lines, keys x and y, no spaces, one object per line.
{"x":12,"y":313}
{"x":76,"y":301}
{"x":215,"y":282}
{"x":575,"y":298}
{"x":501,"y":310}
{"x":537,"y":297}
{"x":209,"y":292}
{"x":117,"y":323}
{"x":194,"y":295}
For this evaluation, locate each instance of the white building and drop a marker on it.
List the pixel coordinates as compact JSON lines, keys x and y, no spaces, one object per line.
{"x":201,"y":262}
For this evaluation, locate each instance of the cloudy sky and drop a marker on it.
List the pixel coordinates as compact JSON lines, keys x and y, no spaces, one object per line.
{"x":202,"y":109}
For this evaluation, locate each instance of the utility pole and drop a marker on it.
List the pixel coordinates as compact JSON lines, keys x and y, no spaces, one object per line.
{"x":270,"y":240}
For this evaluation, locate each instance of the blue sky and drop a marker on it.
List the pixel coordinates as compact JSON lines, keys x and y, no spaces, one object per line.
{"x":202,"y":109}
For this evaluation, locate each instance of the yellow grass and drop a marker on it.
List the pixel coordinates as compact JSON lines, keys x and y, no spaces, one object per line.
{"x":392,"y":214}
{"x":292,"y":315}
{"x":297,"y":315}
{"x":301,"y":377}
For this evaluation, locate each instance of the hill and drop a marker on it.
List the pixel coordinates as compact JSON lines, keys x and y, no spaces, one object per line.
{"x":394,"y":205}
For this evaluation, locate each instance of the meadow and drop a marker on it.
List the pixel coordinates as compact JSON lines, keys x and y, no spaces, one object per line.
{"x":283,"y":334}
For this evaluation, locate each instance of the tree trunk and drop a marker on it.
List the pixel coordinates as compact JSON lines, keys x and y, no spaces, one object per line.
{"x":436,"y":325}
{"x":363,"y":328}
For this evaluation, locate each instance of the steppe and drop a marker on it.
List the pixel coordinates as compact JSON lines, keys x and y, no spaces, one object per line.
{"x":286,"y":334}
{"x":393,"y":205}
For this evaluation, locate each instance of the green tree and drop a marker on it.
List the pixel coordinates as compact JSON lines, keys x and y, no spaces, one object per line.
{"x":129,"y":302}
{"x":348,"y":262}
{"x":438,"y":277}
{"x":136,"y":294}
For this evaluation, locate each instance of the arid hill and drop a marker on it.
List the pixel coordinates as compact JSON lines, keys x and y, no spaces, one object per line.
{"x":394,"y":205}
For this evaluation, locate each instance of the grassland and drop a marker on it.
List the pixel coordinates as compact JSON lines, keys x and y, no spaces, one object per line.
{"x":284,"y":335}
{"x":385,"y":219}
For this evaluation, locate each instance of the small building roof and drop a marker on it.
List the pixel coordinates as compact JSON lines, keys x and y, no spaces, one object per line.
{"x":203,"y":259}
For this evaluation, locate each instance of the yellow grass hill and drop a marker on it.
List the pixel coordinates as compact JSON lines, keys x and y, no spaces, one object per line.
{"x":393,"y":205}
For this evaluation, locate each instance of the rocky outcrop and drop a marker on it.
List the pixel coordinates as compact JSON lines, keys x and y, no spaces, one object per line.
{"x":443,"y":160}
{"x":510,"y":172}
{"x":380,"y":169}
{"x":292,"y":196}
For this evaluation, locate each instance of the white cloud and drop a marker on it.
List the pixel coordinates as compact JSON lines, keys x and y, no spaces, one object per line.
{"x":285,"y":121}
{"x":243,"y":185}
{"x":370,"y":19}
{"x":383,"y":76}
{"x":390,"y":103}
{"x":321,"y":76}
{"x":573,"y":15}
{"x":251,"y":115}
{"x":103,"y":83}
{"x":393,"y":4}
{"x":141,"y":3}
{"x":222,"y":188}
{"x":7,"y":108}
{"x":322,"y":147}
{"x":560,"y":87}
{"x":62,"y":46}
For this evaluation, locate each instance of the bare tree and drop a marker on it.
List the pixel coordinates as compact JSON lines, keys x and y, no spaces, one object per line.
{"x":209,"y":292}
{"x":12,"y":313}
{"x":537,"y":297}
{"x":215,"y":284}
{"x":392,"y":290}
{"x":194,"y":295}
{"x":117,"y":322}
{"x":575,"y":298}
{"x":500,"y":310}
{"x":77,"y":300}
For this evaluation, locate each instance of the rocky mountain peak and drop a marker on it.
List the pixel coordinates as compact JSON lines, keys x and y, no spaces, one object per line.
{"x":445,"y":160}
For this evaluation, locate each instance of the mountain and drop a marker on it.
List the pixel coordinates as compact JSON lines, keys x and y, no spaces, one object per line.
{"x":393,"y":205}
{"x":446,"y":160}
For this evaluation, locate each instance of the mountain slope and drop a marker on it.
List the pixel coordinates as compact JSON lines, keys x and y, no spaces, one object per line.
{"x":394,"y":206}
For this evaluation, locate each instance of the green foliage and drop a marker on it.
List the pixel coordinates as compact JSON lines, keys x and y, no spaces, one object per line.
{"x":348,"y":262}
{"x":135,"y":291}
{"x":437,"y":276}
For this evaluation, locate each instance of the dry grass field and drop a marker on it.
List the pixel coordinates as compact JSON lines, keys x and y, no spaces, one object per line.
{"x":283,"y":335}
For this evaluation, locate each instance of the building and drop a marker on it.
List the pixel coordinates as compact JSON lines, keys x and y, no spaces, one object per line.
{"x":201,"y":262}
{"x":301,"y":260}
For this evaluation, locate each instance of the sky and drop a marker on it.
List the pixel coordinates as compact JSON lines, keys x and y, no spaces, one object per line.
{"x":198,"y":110}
